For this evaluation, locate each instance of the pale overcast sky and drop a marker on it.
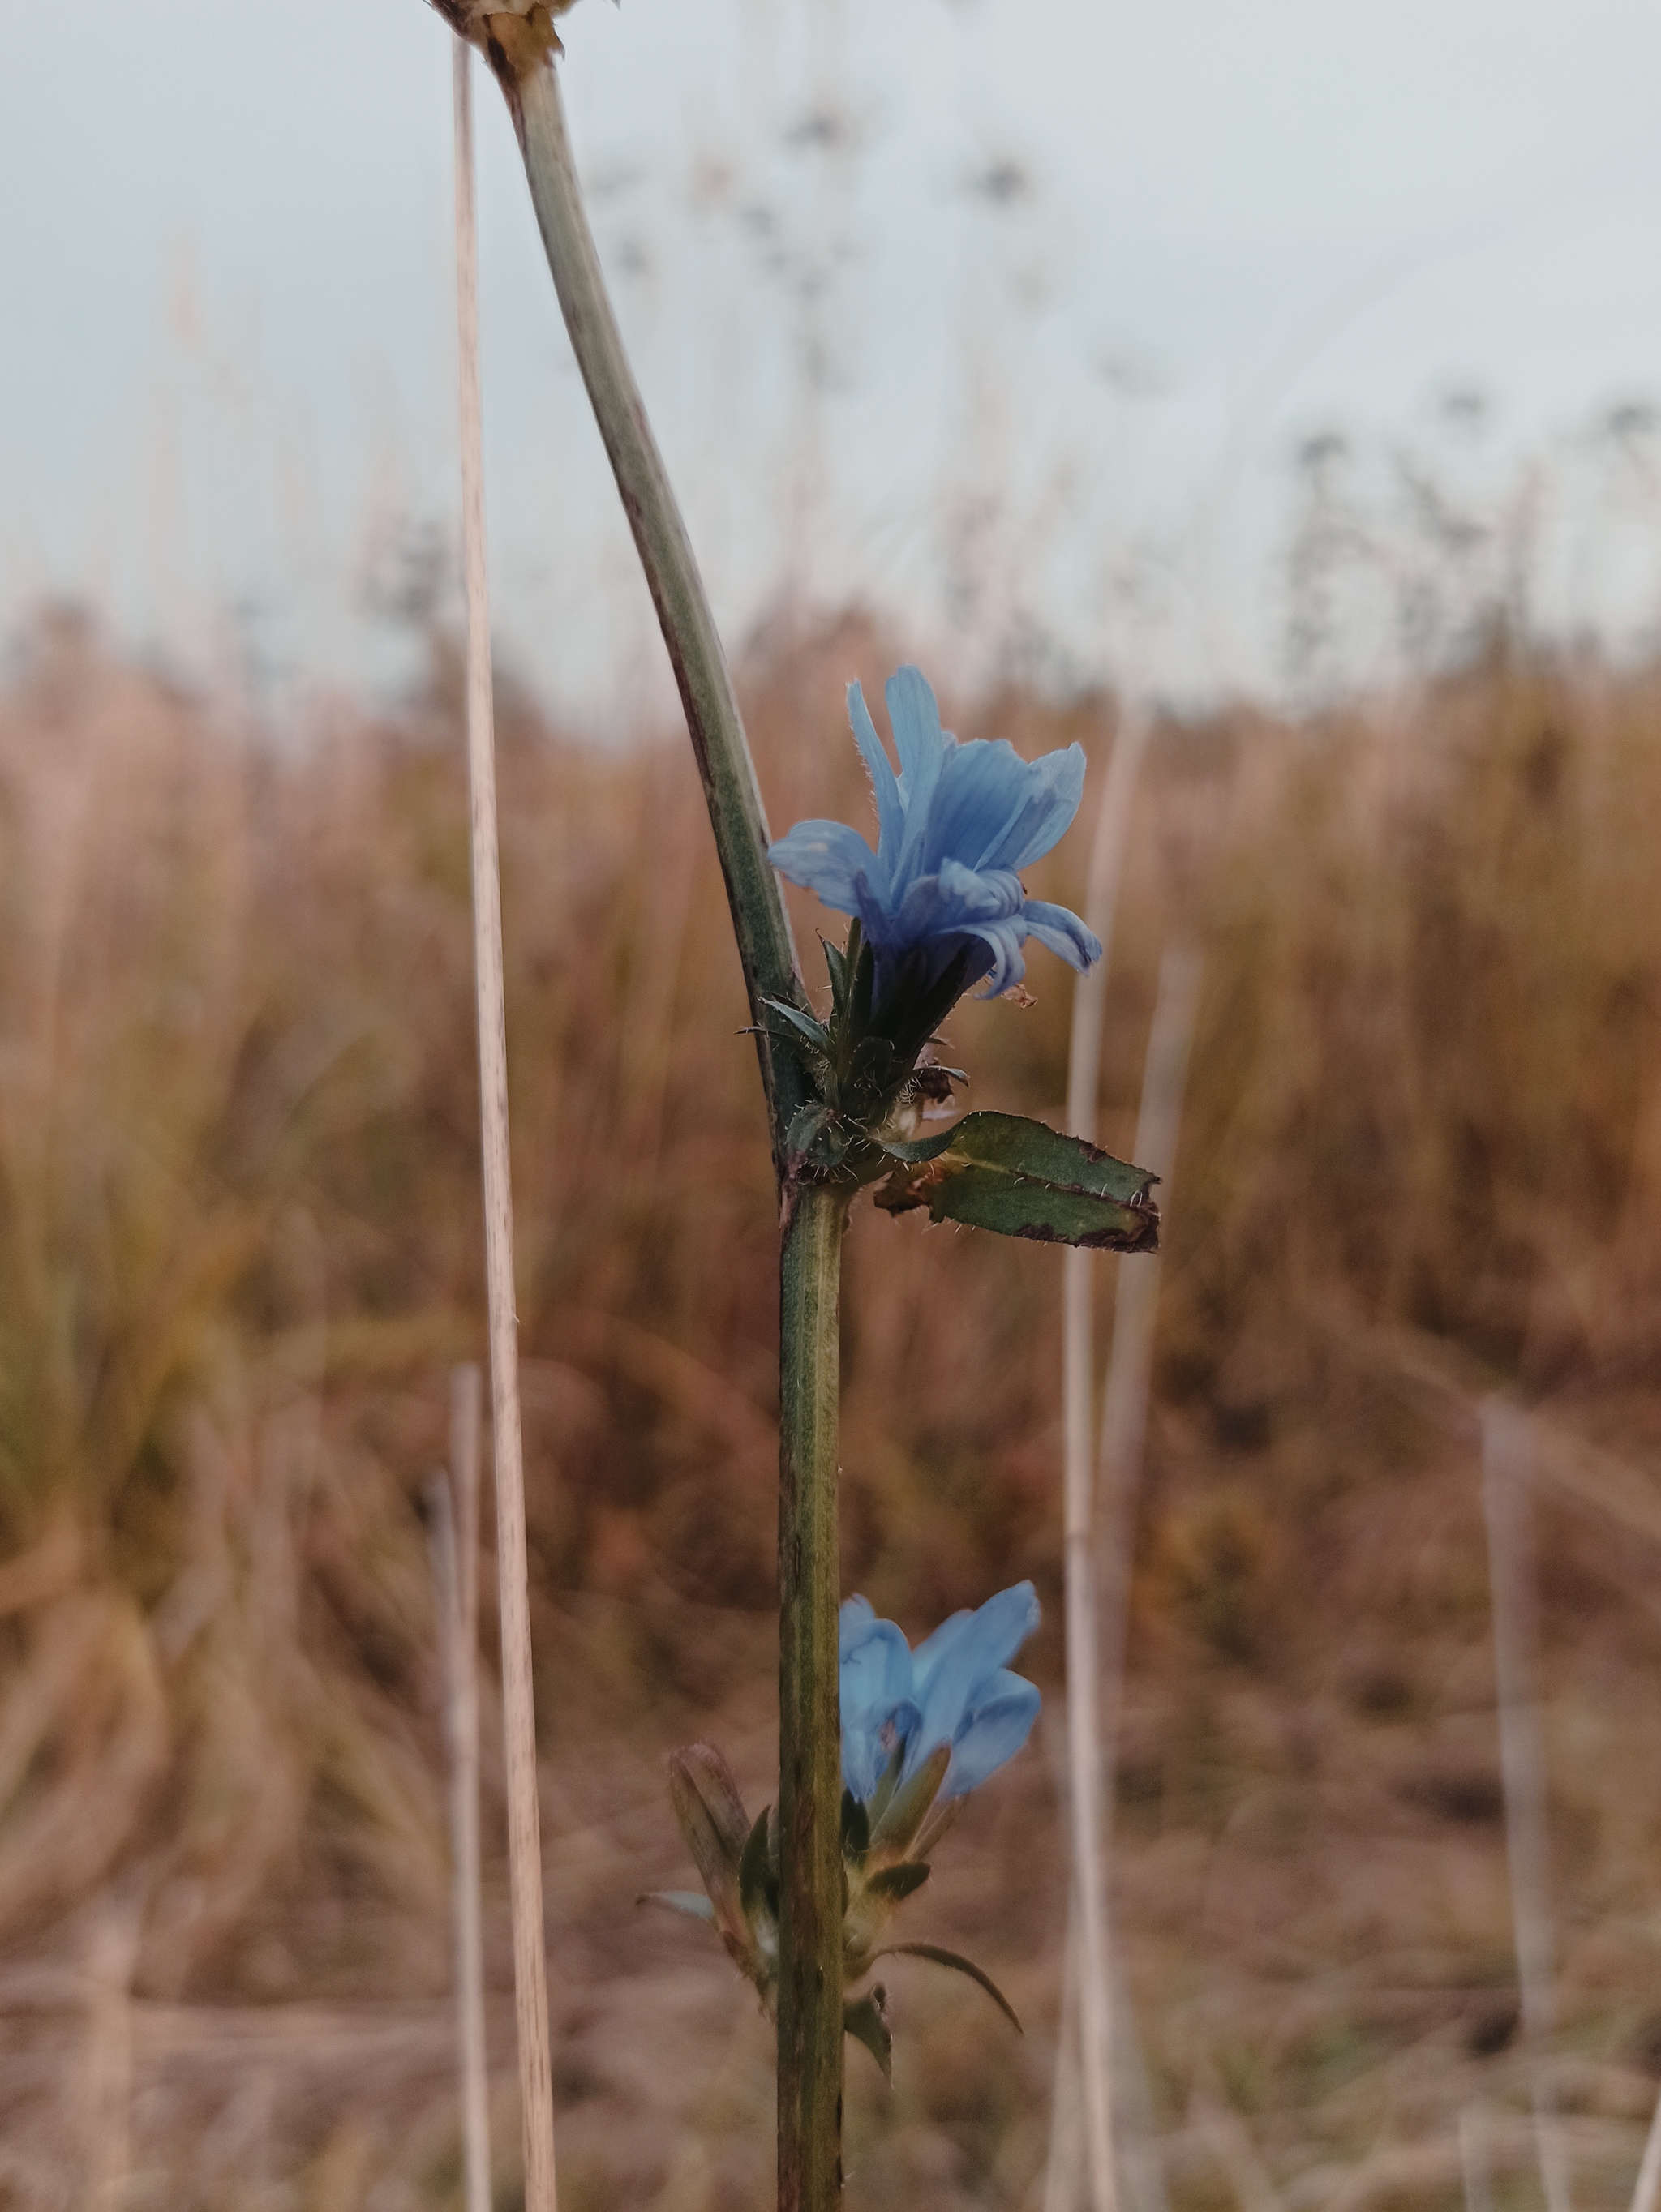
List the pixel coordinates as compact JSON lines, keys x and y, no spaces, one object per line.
{"x":971,"y":309}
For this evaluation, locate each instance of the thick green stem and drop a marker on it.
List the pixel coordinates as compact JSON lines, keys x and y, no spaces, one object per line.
{"x":810,"y":1738}
{"x":759,"y":920}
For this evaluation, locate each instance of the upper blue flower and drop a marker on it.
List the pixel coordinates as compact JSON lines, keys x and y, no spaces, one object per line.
{"x":954,"y":1688}
{"x":954,"y":829}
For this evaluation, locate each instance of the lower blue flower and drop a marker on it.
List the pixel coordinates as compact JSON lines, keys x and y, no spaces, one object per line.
{"x":955,"y":1688}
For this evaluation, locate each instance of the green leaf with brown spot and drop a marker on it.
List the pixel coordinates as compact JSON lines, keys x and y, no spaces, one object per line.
{"x":1020,"y":1178}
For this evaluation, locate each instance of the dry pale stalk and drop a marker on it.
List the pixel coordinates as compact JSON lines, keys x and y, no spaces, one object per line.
{"x":1124,"y":1424}
{"x":1089,"y":1872}
{"x":1475,"y":2161}
{"x":518,"y":1714}
{"x":1130,"y":1362}
{"x":453,"y":1522}
{"x":109,"y":2056}
{"x":1061,"y":2172}
{"x":1507,"y":1472}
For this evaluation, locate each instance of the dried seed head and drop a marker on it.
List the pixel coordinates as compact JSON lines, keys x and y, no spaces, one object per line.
{"x":515,"y":36}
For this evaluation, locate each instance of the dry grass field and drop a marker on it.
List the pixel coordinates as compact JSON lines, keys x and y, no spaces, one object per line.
{"x":240,"y":1249}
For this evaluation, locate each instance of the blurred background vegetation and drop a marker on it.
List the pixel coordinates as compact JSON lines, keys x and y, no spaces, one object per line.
{"x":1009,"y":322}
{"x":241,"y":1250}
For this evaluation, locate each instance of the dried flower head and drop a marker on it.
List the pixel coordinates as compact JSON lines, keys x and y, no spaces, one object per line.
{"x":514,"y":36}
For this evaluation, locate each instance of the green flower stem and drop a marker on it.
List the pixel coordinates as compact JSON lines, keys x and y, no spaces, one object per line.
{"x":810,"y":1736}
{"x":736,"y":815}
{"x":520,"y":47}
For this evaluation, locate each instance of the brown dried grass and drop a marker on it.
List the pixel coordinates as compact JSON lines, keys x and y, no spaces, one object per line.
{"x":240,"y":1247}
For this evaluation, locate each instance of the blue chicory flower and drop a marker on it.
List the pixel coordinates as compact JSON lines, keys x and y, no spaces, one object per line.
{"x":954,"y":829}
{"x":954,"y":1688}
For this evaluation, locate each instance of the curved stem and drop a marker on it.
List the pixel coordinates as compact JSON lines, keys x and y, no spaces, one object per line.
{"x":520,"y":47}
{"x":810,"y":1740}
{"x":736,"y":815}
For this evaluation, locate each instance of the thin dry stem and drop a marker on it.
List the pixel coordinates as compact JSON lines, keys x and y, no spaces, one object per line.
{"x":1061,"y":2172}
{"x":1476,"y":2159}
{"x":1130,"y":1361}
{"x":453,"y":1522}
{"x":518,"y":1716}
{"x":109,"y":2056}
{"x":1090,"y":1717}
{"x":1089,"y":1870}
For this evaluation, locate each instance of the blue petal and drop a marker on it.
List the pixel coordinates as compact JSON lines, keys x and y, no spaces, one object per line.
{"x":936,"y":1651}
{"x":923,"y":746}
{"x":832,"y":859}
{"x":862,"y":1758}
{"x":875,"y":1663}
{"x":1054,"y":786}
{"x":1008,"y":967}
{"x":1061,"y":929}
{"x":996,"y":1631}
{"x":950,"y":1667}
{"x":877,"y":918}
{"x":980,"y":793}
{"x":954,"y":900}
{"x":924,"y":749}
{"x":868,"y":1743}
{"x":995,"y":1730}
{"x":979,"y":894}
{"x":874,"y":1693}
{"x":891,"y":810}
{"x":854,"y":1624}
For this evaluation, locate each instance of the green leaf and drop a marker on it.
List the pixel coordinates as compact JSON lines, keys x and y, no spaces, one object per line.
{"x":862,"y":969}
{"x":958,"y":1964}
{"x":688,"y":1901}
{"x":896,"y":1883}
{"x":811,"y":1032}
{"x":835,"y":962}
{"x":1020,"y":1178}
{"x":873,"y":1062}
{"x":863,"y":2019}
{"x":808,"y":1124}
{"x":833,"y":1145}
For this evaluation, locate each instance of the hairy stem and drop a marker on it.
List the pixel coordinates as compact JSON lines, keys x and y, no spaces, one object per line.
{"x":713,"y":721}
{"x":810,"y":1745}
